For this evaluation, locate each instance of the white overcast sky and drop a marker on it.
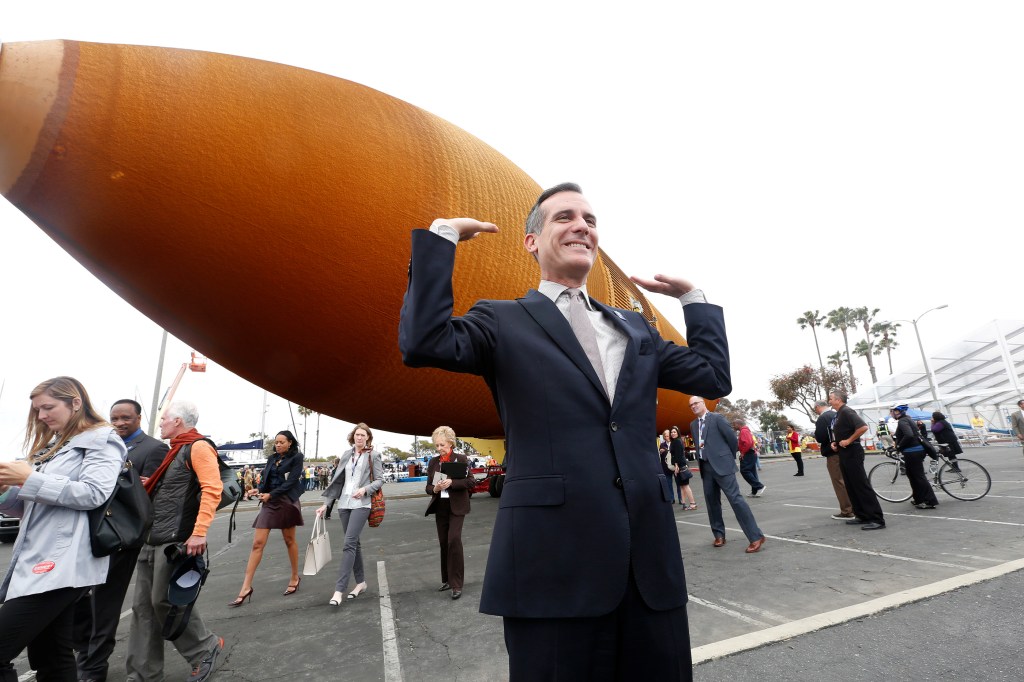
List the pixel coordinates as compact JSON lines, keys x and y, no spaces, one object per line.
{"x":784,"y":156}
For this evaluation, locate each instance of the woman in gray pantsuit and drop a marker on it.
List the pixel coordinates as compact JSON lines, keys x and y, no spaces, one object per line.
{"x":358,"y":476}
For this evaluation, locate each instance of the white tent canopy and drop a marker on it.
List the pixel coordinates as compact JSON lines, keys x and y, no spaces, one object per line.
{"x":982,"y":373}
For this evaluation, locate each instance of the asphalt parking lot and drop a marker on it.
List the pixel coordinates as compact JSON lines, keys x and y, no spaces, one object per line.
{"x":921,"y":599}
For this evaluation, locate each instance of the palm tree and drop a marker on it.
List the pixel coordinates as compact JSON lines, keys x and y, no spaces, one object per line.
{"x":840,"y":320}
{"x":305,"y":412}
{"x":866,"y":317}
{"x":836,"y":360}
{"x":813,"y":319}
{"x":887,"y":330}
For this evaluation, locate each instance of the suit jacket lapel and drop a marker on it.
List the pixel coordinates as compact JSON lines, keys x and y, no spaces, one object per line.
{"x":546,"y":314}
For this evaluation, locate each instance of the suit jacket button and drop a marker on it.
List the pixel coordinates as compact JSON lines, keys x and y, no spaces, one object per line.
{"x":618,"y":483}
{"x":615,"y":426}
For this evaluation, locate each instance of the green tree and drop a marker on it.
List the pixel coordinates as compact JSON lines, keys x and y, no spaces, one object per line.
{"x":423,"y":448}
{"x":836,"y":360}
{"x":800,"y":388}
{"x":465,"y":448}
{"x":813,"y":319}
{"x":305,"y":412}
{"x":887,"y":332}
{"x":840,"y":320}
{"x":393,"y":454}
{"x":866,"y":317}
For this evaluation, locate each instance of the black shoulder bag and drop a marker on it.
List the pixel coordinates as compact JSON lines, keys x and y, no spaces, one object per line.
{"x":121,"y":523}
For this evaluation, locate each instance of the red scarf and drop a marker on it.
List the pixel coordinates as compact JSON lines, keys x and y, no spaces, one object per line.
{"x":177,"y":443}
{"x":446,"y":458}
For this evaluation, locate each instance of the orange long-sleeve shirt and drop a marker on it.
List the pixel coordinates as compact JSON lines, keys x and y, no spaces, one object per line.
{"x":207,"y":470}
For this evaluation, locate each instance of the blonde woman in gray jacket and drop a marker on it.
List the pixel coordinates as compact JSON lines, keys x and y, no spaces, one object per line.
{"x":73,"y":459}
{"x":358,"y":476}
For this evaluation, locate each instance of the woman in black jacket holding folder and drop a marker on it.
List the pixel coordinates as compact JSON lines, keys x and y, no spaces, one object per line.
{"x":279,"y":490}
{"x":449,"y":503}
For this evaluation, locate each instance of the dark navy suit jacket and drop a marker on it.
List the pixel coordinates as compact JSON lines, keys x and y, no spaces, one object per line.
{"x":583,"y":501}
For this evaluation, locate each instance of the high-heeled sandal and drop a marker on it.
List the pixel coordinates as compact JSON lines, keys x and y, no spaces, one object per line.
{"x":356,"y":591}
{"x":241,"y":598}
{"x":292,"y":589}
{"x":336,"y":599}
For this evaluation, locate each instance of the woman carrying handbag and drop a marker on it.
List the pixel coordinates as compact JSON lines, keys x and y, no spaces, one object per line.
{"x":72,"y":463}
{"x":359,"y":475}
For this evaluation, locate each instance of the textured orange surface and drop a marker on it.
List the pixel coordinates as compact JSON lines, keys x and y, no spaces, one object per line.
{"x":217,"y":193}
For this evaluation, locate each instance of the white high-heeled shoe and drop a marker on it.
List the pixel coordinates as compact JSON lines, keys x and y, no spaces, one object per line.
{"x":336,"y":599}
{"x":357,"y":590}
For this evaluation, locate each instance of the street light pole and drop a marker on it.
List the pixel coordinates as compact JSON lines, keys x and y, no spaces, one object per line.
{"x":924,"y":357}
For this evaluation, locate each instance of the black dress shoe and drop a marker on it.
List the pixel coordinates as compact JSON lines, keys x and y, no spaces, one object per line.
{"x":873,"y":526}
{"x":456,"y":594}
{"x":856,"y":522}
{"x":444,"y":586}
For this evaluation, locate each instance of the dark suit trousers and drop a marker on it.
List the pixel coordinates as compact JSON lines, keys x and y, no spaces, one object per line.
{"x":633,"y":642}
{"x":714,"y":486}
{"x":97,"y":615}
{"x":862,"y":495}
{"x":449,"y":537}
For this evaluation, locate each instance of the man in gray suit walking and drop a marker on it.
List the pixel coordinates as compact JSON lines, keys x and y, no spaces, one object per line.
{"x":716,"y":453}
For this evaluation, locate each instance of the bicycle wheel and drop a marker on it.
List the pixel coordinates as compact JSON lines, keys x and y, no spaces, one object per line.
{"x":968,"y":481}
{"x":888,"y":483}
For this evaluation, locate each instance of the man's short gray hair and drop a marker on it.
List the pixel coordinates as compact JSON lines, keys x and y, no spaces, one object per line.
{"x":186,"y":411}
{"x":843,"y":396}
{"x":821,"y":403}
{"x":535,"y":219}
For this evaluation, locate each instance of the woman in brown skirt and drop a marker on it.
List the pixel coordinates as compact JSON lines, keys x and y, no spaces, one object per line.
{"x":281,"y":485}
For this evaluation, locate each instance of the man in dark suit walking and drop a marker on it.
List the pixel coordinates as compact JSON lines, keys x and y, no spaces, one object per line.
{"x":716,"y":454}
{"x":98,"y":613}
{"x":584,"y":562}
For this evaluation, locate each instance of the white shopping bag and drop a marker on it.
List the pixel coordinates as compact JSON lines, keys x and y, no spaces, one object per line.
{"x":318,"y":551}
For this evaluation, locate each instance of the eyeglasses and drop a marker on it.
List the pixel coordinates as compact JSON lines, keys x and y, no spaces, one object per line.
{"x":695,"y":404}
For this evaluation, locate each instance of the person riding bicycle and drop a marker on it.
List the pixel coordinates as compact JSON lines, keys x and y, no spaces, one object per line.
{"x":908,"y":442}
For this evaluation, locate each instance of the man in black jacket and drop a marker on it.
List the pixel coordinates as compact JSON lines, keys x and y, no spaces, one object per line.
{"x":98,"y":612}
{"x":822,"y":434}
{"x":847,"y":428}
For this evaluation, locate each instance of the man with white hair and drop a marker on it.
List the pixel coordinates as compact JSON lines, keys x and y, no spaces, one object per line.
{"x":185,"y":489}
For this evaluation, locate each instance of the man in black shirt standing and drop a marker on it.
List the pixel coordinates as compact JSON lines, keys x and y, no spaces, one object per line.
{"x":847,"y":428}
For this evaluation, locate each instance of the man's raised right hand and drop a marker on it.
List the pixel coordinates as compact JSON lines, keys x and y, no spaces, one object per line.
{"x":466,"y":227}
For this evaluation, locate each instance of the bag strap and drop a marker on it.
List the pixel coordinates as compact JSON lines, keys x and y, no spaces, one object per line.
{"x":231,"y":519}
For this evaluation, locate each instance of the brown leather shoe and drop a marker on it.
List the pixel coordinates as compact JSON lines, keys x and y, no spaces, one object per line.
{"x":719,"y":542}
{"x":755,"y":546}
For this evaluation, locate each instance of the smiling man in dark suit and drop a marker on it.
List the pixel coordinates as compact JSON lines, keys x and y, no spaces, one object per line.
{"x":98,"y":613}
{"x":584,"y":562}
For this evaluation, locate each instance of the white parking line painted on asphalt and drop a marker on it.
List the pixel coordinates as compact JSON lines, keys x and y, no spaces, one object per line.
{"x":392,"y":664}
{"x":728,"y":612}
{"x":1011,"y":497}
{"x":781,"y":633}
{"x":972,"y":556}
{"x":924,"y":516}
{"x":846,"y":549}
{"x":763,"y":613}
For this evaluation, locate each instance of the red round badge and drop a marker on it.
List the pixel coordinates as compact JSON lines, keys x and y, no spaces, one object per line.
{"x":43,"y":567}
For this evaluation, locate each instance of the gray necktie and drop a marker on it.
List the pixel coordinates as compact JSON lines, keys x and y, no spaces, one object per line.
{"x":700,"y":437}
{"x":583,"y":328}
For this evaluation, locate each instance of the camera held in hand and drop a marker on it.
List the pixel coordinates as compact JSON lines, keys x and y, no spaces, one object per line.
{"x":175,"y":552}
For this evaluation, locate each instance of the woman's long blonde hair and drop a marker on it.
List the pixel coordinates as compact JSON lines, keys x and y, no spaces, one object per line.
{"x":65,"y":389}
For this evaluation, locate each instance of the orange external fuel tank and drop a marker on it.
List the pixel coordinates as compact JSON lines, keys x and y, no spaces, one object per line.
{"x":217,"y":193}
